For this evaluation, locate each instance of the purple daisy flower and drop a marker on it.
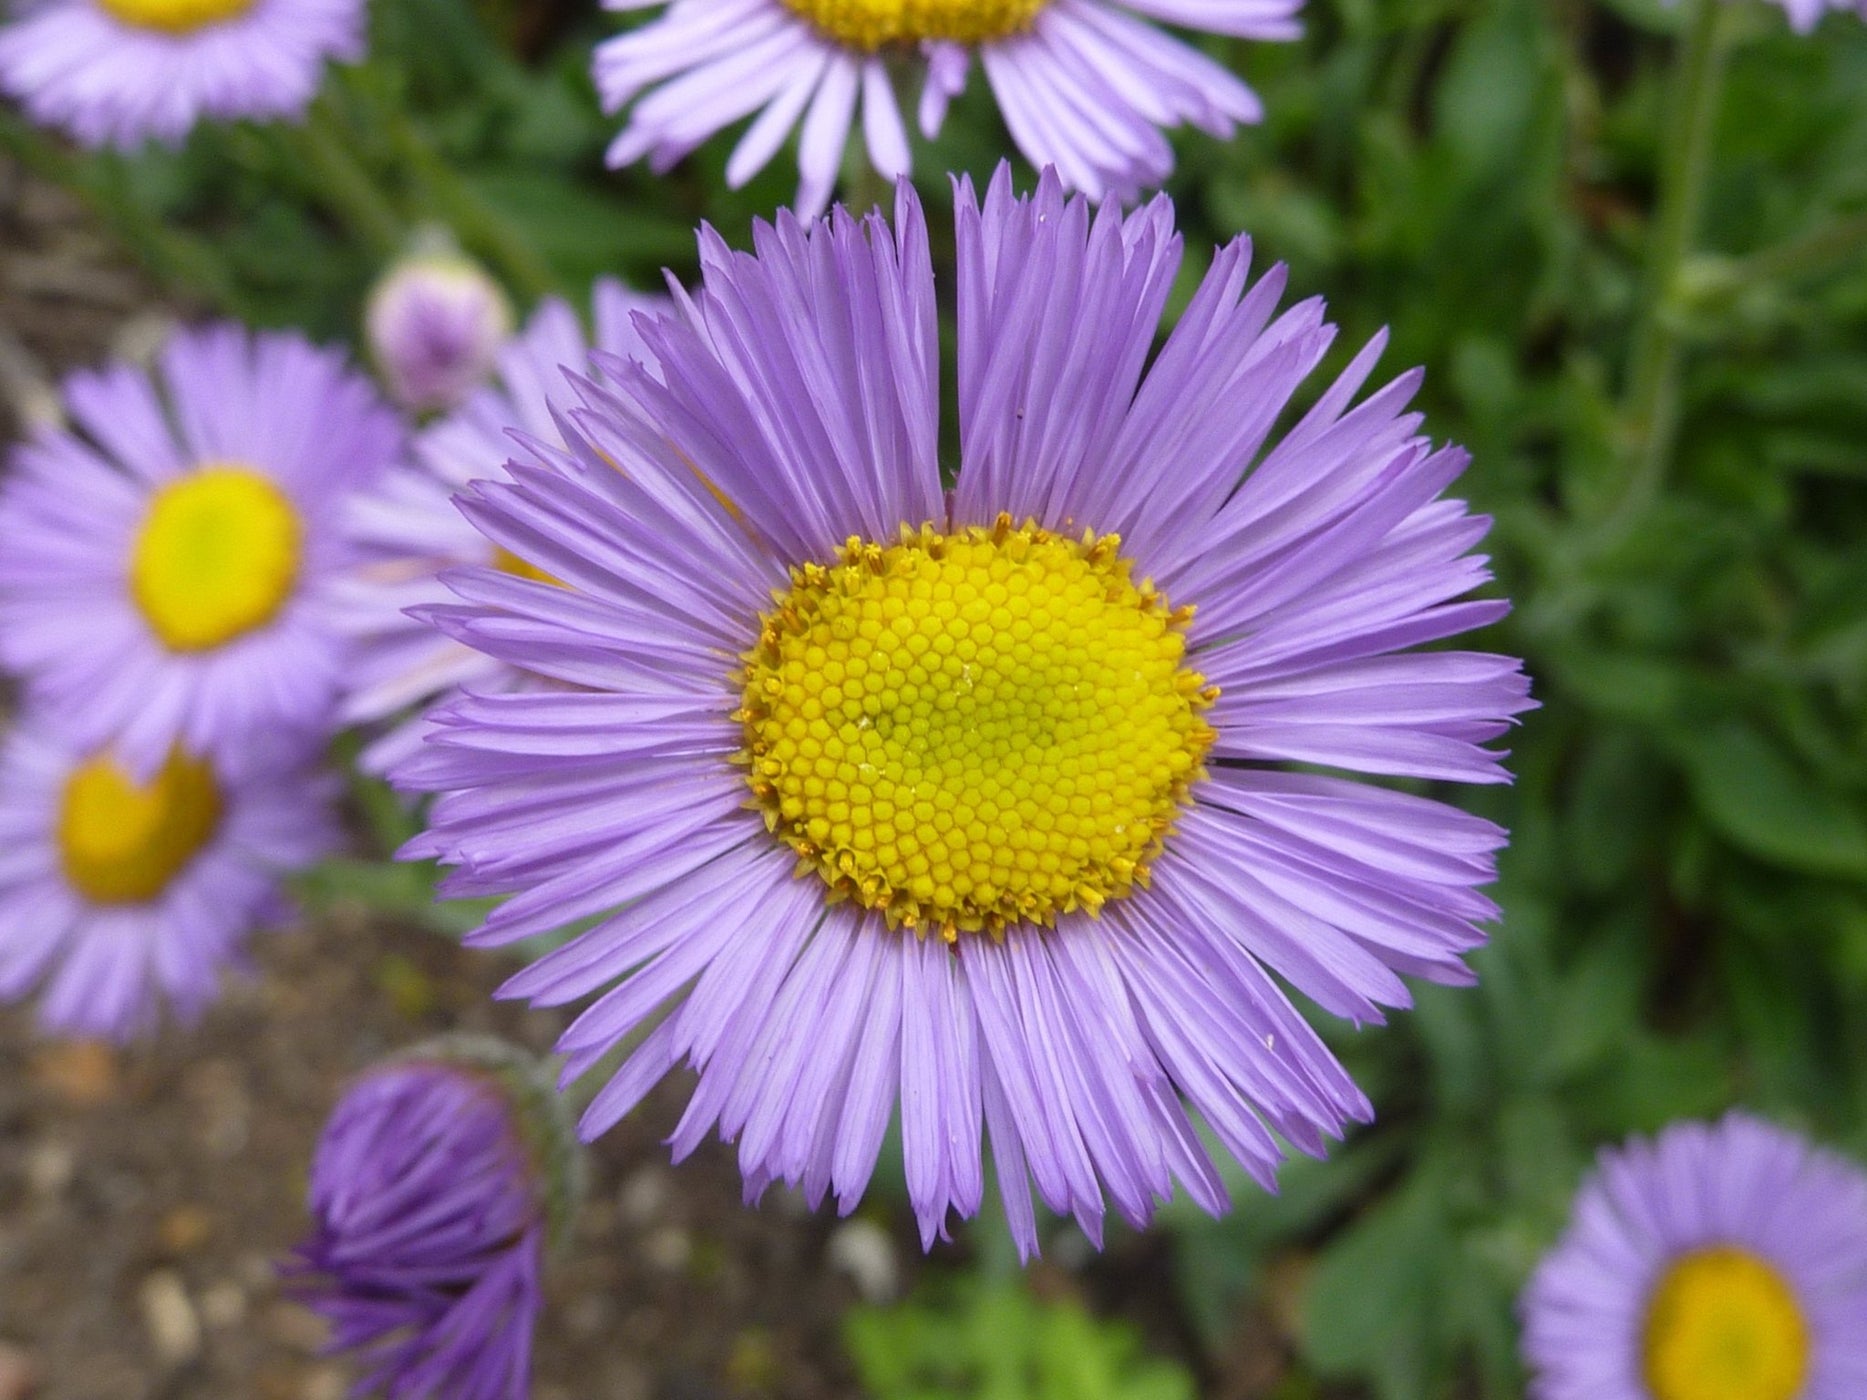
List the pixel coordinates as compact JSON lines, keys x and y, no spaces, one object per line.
{"x":433,"y":1190}
{"x":1722,"y":1261}
{"x":120,"y":897}
{"x":406,"y":530}
{"x":165,"y":573}
{"x":1085,"y":85}
{"x":969,"y":798}
{"x":120,"y":72}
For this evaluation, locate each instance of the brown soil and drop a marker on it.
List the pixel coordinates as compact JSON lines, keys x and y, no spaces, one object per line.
{"x":145,"y":1196}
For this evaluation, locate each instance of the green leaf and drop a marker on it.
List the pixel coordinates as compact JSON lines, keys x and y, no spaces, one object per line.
{"x":1758,"y":799}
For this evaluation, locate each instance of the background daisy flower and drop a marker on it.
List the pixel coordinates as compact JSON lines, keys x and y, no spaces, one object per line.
{"x":1721,"y":1261}
{"x":406,"y":529}
{"x":435,"y":1185}
{"x":166,"y":566}
{"x":1084,"y":85}
{"x":1015,"y":856}
{"x":119,"y":72}
{"x":120,"y":896}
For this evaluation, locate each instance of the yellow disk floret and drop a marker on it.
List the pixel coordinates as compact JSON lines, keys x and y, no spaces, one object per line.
{"x":122,"y":842}
{"x":873,"y":24}
{"x":217,"y":556}
{"x":974,"y":729}
{"x":1723,"y":1324}
{"x":507,"y":562}
{"x":175,"y":16}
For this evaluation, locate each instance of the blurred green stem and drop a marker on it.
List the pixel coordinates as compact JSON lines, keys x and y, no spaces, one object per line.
{"x":1814,"y":251}
{"x":481,"y":228}
{"x":181,"y":262}
{"x":345,"y":186}
{"x":1652,"y":409}
{"x":865,"y":187}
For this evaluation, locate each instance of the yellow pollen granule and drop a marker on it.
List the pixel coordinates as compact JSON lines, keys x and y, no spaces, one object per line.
{"x":1724,"y":1325}
{"x":974,"y":729}
{"x":175,"y":16}
{"x":217,"y":556}
{"x":507,"y":562}
{"x":873,"y":24}
{"x":121,"y":843}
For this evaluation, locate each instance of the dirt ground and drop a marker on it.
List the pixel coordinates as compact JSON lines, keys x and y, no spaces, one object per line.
{"x":144,"y":1197}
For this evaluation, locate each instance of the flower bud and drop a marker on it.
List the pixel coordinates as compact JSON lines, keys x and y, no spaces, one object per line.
{"x":438,"y":1182}
{"x":435,"y":323}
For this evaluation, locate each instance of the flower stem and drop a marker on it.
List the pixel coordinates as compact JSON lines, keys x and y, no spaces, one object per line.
{"x":1652,"y":408}
{"x":346,"y":188}
{"x":864,"y":187}
{"x":182,"y":262}
{"x":1811,"y":252}
{"x":481,"y":228}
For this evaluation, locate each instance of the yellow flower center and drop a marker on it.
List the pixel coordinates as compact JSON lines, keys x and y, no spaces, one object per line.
{"x":122,"y":843}
{"x":507,"y":562}
{"x":175,"y":16}
{"x":217,"y":556}
{"x":1724,"y":1325}
{"x":874,"y":24}
{"x":968,"y":730}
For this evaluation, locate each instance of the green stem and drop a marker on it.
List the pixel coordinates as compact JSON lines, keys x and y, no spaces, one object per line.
{"x":1813,"y":251}
{"x":864,"y":187}
{"x":1653,"y":388}
{"x":481,"y":228}
{"x":181,"y":262}
{"x":342,"y":183}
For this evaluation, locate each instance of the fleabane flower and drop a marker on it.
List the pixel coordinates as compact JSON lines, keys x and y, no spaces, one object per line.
{"x":436,"y":1185}
{"x":120,"y":896}
{"x":166,"y":566}
{"x":1723,"y":1261}
{"x":970,"y":799}
{"x":1088,"y":86}
{"x":405,"y":530}
{"x":121,"y":72}
{"x":435,"y":324}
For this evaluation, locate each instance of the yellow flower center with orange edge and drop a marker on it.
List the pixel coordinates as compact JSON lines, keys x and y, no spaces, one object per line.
{"x":124,"y":843}
{"x":874,"y":24}
{"x":970,"y":730}
{"x":507,"y":562}
{"x":217,"y":556}
{"x":175,"y":16}
{"x":1723,"y":1324}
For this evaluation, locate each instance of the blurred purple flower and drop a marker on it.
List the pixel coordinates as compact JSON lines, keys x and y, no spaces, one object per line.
{"x":1053,"y":860}
{"x":432,"y":1197}
{"x":1716,"y":1260}
{"x":1085,"y":85}
{"x":167,"y":566}
{"x":120,"y":72}
{"x":120,"y":898}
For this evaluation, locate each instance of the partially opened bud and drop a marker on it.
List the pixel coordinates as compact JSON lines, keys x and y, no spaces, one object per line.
{"x":435,"y":323}
{"x":434,"y":1189}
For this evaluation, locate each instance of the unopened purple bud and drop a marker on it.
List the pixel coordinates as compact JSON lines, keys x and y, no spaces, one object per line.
{"x":435,"y":324}
{"x":435,"y":1188}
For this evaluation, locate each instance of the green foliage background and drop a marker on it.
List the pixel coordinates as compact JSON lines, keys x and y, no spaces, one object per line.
{"x":1686,"y":894}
